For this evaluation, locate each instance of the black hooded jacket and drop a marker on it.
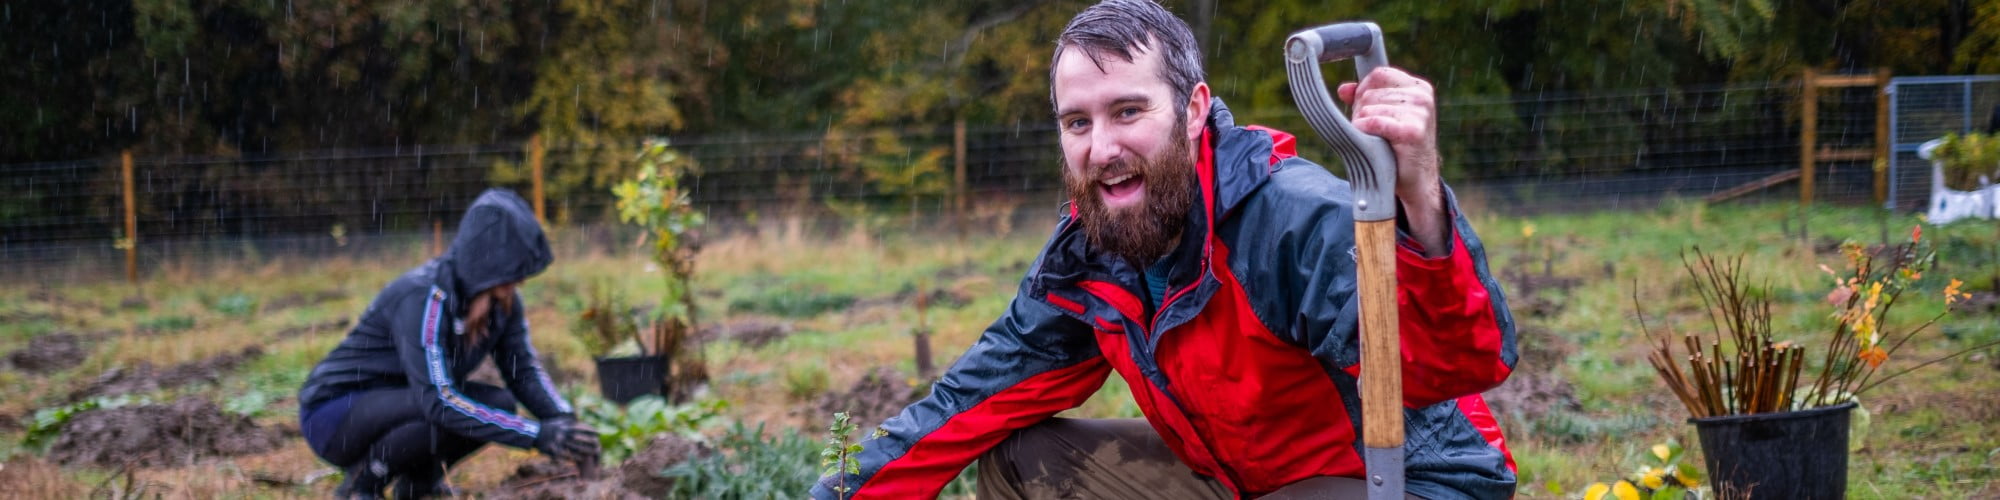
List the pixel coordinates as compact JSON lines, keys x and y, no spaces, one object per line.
{"x":409,"y":336}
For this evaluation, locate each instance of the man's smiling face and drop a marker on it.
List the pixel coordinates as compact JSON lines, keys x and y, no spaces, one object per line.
{"x":1127,"y":150}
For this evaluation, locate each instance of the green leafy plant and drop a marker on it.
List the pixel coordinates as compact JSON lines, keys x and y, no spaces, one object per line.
{"x":750,"y":465}
{"x":1966,"y":158}
{"x":654,"y":201}
{"x":624,"y":431}
{"x":48,"y":422}
{"x":837,"y":458}
{"x":1666,"y":476}
{"x":252,"y":403}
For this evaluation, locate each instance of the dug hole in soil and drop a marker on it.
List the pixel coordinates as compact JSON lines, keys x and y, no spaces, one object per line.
{"x":637,"y":478}
{"x":172,"y":435}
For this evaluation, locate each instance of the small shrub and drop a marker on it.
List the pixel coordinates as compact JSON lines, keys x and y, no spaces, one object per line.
{"x":624,"y":431}
{"x":805,"y":380}
{"x":750,"y":466}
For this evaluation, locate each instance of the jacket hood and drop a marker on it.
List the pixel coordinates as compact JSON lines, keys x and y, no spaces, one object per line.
{"x":498,"y":242}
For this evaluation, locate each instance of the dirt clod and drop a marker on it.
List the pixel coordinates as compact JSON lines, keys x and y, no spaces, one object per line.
{"x":642,"y":470}
{"x":141,"y":377}
{"x":550,"y":480}
{"x":753,"y":332}
{"x":49,"y":353}
{"x":880,"y":394}
{"x":159,"y":436}
{"x":1536,"y":387}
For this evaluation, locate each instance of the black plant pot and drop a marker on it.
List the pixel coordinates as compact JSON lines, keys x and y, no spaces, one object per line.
{"x":1791,"y":455}
{"x":624,"y":379}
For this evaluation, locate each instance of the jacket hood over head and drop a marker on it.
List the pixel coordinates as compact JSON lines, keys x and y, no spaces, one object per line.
{"x":498,"y":242}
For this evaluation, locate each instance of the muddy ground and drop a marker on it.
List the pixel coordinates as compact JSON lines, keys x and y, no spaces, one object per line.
{"x":171,"y":435}
{"x":880,"y":394}
{"x":637,"y":478}
{"x":141,"y":377}
{"x":51,"y":353}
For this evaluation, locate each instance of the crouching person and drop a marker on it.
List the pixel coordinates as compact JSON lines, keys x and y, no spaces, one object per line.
{"x":391,"y":402}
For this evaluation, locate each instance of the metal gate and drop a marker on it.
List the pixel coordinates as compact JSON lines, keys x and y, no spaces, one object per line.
{"x":1922,"y":108}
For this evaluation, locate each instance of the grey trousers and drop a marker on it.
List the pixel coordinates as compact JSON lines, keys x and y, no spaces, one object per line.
{"x":1113,"y":459}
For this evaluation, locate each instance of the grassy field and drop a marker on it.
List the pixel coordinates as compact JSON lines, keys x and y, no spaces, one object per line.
{"x":1583,"y":405}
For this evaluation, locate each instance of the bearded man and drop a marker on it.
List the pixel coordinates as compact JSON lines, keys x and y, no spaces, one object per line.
{"x":1213,"y":270}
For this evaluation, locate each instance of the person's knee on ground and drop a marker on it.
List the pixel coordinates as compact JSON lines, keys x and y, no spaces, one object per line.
{"x":1089,"y":458}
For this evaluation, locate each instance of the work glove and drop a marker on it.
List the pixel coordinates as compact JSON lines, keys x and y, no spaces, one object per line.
{"x":563,"y":439}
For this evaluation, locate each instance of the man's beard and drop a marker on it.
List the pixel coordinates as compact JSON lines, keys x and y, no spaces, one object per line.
{"x":1144,"y":233}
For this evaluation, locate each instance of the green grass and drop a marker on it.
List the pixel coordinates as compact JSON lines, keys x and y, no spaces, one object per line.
{"x":1932,"y":435}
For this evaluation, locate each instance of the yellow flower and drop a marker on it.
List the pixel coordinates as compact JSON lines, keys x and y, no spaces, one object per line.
{"x":1951,"y":293}
{"x":1661,"y":450}
{"x":1528,"y":230}
{"x":1596,"y":491}
{"x":1688,"y":482}
{"x":1624,"y":491}
{"x":1654,"y":479}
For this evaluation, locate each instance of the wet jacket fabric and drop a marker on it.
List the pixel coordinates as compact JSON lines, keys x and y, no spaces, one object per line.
{"x":1249,"y":368}
{"x":409,"y":336}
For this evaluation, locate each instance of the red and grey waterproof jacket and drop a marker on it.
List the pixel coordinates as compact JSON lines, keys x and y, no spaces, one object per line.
{"x":1248,"y":368}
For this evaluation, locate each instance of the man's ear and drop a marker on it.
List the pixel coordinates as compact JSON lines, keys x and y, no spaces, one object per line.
{"x":1197,"y":110}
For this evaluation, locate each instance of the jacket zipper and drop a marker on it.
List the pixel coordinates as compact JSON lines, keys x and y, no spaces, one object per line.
{"x":1148,"y":330}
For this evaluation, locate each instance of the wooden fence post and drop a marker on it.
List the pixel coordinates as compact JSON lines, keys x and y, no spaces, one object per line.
{"x":131,"y":221}
{"x":535,"y":154}
{"x":1882,"y":139}
{"x":1808,"y":133}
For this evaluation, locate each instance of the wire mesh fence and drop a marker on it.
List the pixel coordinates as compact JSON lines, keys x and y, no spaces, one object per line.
{"x":1928,"y":108}
{"x":1523,"y":154}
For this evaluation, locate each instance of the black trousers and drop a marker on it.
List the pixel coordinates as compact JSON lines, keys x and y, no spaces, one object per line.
{"x":384,"y":436}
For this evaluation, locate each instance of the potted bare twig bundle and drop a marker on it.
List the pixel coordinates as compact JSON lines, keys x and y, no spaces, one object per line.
{"x":1773,"y":417}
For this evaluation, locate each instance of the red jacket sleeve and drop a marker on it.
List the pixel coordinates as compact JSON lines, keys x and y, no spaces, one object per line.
{"x":1449,"y":320}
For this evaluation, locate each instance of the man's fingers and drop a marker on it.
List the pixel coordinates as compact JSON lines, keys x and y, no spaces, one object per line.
{"x":1346,"y":92}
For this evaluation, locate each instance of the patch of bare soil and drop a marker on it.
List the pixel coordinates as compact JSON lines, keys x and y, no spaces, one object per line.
{"x":751,"y":331}
{"x":1536,"y":387}
{"x":160,"y":436}
{"x":641,"y":472}
{"x":141,"y":377}
{"x":550,"y":480}
{"x":50,"y":353}
{"x":880,"y":394}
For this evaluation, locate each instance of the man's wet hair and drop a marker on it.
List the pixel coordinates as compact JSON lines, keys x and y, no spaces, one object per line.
{"x":1116,"y":27}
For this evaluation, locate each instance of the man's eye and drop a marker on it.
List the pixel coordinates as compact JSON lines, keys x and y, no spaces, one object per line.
{"x":1075,"y":124}
{"x":1128,"y":112}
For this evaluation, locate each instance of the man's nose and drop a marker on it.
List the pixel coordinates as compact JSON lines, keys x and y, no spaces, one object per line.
{"x":1105,"y":147}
